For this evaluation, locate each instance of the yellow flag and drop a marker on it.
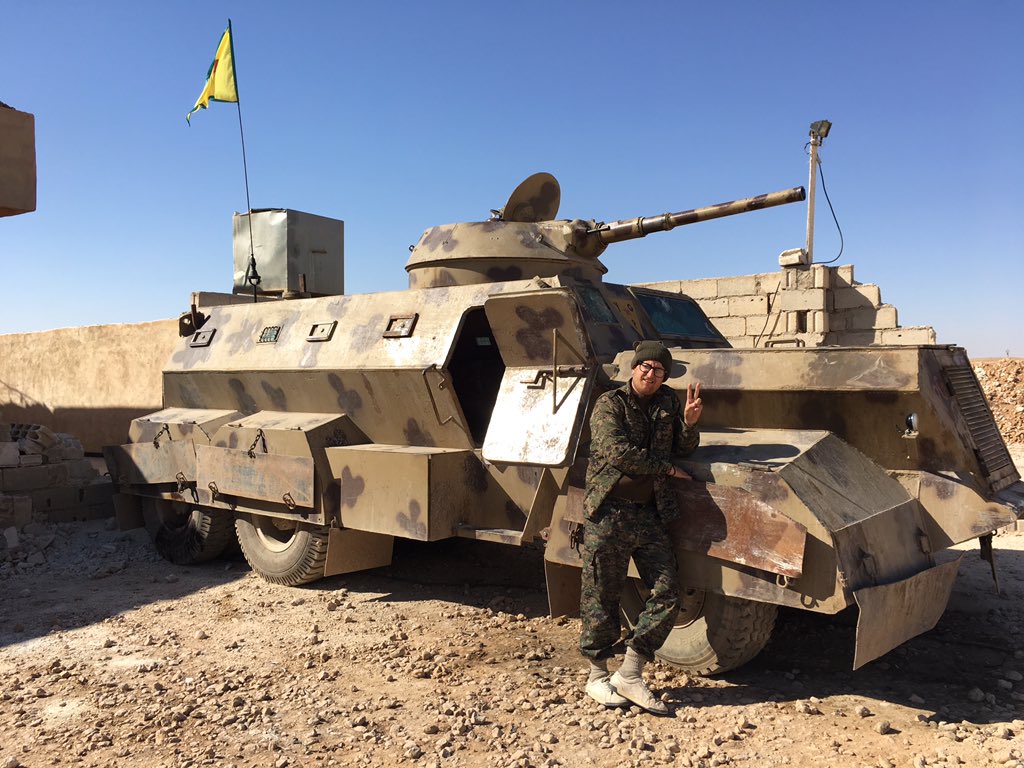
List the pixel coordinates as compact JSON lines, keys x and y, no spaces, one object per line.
{"x":220,"y":80}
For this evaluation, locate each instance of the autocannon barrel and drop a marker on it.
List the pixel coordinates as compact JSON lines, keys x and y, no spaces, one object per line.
{"x":627,"y":229}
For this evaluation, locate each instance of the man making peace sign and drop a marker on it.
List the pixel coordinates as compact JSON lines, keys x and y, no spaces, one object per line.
{"x":629,"y":503}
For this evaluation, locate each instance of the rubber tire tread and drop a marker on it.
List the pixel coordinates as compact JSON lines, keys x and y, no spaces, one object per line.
{"x":730,"y":632}
{"x":203,"y":538}
{"x":302,"y":562}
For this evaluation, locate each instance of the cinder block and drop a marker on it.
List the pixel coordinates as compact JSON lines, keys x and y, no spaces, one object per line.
{"x":843,"y":276}
{"x":856,"y":297}
{"x":700,"y":289}
{"x":731,"y":327}
{"x":9,"y":455}
{"x":817,"y":322}
{"x":868,"y":317}
{"x":807,"y":299}
{"x":80,"y":471}
{"x":715,"y":307}
{"x":740,"y":306}
{"x":743,"y":342}
{"x":913,"y":335}
{"x":857,"y":338}
{"x":31,"y":478}
{"x":737,"y":286}
{"x":765,"y":325}
{"x":101,"y":492}
{"x":15,"y":511}
{"x":672,"y":286}
{"x":5,"y":432}
{"x":822,"y":276}
{"x":885,"y":317}
{"x":81,"y":512}
{"x":59,"y":497}
{"x":30,"y":460}
{"x":792,"y":322}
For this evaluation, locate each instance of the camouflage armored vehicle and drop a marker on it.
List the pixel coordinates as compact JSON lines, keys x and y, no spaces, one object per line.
{"x":318,"y":430}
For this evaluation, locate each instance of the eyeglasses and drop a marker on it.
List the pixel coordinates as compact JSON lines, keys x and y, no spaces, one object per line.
{"x":659,"y":373}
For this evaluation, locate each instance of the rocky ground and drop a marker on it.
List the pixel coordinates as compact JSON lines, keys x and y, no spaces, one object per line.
{"x":112,"y":657}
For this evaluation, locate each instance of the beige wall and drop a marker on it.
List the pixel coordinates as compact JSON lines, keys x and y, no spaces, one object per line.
{"x":17,"y":162}
{"x":90,"y":381}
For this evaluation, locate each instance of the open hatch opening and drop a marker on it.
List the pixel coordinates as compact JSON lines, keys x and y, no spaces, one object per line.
{"x":476,"y":368}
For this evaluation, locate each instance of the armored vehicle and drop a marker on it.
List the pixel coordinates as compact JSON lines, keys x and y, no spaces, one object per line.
{"x":317,"y":430}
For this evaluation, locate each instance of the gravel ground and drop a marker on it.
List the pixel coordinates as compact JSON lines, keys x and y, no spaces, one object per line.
{"x":113,"y":657}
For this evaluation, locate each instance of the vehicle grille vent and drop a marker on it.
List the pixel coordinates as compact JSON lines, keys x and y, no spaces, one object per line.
{"x":988,"y":443}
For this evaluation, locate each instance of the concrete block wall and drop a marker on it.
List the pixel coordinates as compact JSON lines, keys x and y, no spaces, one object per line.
{"x":803,"y":306}
{"x":46,"y":477}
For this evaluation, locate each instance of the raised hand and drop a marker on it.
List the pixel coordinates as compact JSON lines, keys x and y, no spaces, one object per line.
{"x":694,"y":407}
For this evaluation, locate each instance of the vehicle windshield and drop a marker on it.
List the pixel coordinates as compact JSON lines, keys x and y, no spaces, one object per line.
{"x":678,"y":316}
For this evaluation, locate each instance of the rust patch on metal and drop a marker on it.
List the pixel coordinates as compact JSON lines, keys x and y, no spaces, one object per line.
{"x":732,"y":524}
{"x":944,"y":489}
{"x":352,"y":487}
{"x":767,"y":487}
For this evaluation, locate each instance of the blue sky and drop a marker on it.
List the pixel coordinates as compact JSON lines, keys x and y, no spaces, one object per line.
{"x":396,"y":117}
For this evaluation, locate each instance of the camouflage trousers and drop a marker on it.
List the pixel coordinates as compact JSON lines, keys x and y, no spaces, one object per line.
{"x":620,"y":530}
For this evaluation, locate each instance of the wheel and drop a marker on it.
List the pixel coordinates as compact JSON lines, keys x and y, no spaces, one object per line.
{"x":282,"y":551}
{"x":186,"y":534}
{"x":713,"y":633}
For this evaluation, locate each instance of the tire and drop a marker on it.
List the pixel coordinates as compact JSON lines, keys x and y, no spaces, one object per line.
{"x":185,"y":534}
{"x":282,"y":551}
{"x":714,"y":633}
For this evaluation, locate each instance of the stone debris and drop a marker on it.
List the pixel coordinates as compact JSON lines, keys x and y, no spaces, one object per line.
{"x":1003,"y":383}
{"x":45,"y":476}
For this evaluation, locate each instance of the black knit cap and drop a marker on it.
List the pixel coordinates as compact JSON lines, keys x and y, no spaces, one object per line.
{"x":652,"y":350}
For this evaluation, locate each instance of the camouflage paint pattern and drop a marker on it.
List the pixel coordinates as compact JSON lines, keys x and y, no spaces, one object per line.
{"x":617,"y":533}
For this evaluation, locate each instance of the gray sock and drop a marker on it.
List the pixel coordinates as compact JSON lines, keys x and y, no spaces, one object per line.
{"x":598,"y":669}
{"x":632,"y":666}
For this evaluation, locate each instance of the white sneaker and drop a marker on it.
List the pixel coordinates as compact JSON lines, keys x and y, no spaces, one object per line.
{"x":638,"y":693}
{"x":601,"y":691}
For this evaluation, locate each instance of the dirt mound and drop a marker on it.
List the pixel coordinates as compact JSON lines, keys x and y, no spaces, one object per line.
{"x":1003,"y":383}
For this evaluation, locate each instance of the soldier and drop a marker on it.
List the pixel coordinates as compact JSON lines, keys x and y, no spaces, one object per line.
{"x":629,"y":503}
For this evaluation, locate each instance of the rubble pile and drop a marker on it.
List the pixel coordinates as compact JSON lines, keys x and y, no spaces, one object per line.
{"x":45,"y":477}
{"x":1003,"y":383}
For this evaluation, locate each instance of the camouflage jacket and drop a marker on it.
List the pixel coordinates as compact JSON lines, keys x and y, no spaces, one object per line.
{"x":624,"y":440}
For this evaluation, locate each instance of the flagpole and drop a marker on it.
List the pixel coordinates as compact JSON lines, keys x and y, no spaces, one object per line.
{"x":251,"y":275}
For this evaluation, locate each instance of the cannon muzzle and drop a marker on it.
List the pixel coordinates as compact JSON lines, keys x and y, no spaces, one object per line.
{"x":628,"y":229}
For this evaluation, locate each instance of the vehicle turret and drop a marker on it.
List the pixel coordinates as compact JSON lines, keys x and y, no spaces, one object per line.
{"x":523,"y":239}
